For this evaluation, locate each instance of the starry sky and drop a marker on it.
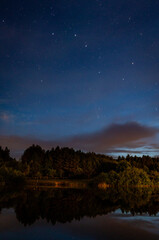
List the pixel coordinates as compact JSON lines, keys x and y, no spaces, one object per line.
{"x":82,"y":74}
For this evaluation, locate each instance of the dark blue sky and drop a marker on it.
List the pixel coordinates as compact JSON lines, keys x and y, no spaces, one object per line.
{"x":75,"y":72}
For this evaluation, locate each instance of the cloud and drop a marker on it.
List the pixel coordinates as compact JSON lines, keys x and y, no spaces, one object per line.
{"x":18,"y":144}
{"x":112,"y":139}
{"x":114,"y":136}
{"x":6,"y":117}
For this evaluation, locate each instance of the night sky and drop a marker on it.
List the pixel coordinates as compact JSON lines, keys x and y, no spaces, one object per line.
{"x":80,"y":73}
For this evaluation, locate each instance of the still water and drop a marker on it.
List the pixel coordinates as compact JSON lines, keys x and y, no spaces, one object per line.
{"x":65,"y":214}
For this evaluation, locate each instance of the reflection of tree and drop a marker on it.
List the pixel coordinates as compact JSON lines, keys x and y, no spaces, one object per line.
{"x":60,"y":205}
{"x":63,"y":205}
{"x":135,"y":200}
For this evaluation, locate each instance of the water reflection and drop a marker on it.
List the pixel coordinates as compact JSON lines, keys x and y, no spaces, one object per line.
{"x":81,"y":214}
{"x":64,"y":205}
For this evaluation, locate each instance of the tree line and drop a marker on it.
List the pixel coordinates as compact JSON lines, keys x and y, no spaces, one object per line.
{"x":69,"y":163}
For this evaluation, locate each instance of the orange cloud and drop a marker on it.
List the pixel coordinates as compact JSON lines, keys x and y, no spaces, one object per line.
{"x":130,"y":135}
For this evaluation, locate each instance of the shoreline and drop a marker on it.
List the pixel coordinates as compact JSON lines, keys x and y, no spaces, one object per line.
{"x":58,"y":183}
{"x":74,"y":183}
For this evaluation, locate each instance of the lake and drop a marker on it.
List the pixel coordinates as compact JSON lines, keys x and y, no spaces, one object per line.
{"x":88,"y":214}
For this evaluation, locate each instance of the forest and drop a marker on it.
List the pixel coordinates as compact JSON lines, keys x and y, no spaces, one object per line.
{"x":67,"y":163}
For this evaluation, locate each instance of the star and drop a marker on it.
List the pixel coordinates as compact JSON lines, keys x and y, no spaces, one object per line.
{"x":129,"y":19}
{"x":132,"y":63}
{"x":75,"y":35}
{"x":41,"y":81}
{"x":52,"y":33}
{"x":123,"y":79}
{"x":86,"y":45}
